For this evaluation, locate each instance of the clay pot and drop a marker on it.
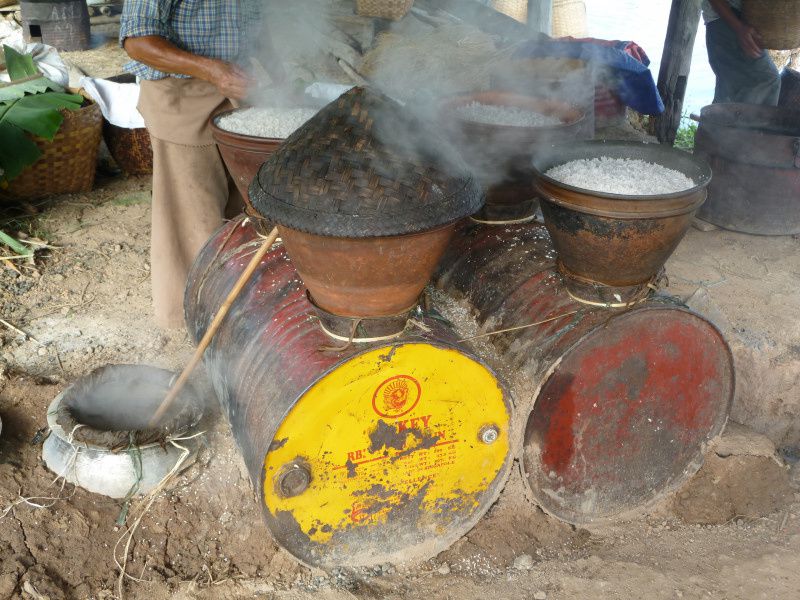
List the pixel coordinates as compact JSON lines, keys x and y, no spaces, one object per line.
{"x":500,"y":154}
{"x":610,"y":239}
{"x":243,"y":156}
{"x":366,"y":277}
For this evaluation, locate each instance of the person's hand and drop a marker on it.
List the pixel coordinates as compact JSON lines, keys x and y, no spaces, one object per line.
{"x":750,"y":41}
{"x":232,"y":81}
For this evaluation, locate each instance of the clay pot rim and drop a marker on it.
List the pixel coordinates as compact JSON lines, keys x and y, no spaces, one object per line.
{"x":627,"y":208}
{"x":218,"y":132}
{"x":568,"y":152}
{"x":522,"y":101}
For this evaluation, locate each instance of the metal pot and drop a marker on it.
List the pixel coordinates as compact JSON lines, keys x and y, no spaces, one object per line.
{"x":755,"y":154}
{"x":611,"y":240}
{"x":116,"y":453}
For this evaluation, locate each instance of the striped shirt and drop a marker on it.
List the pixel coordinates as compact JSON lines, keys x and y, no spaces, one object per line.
{"x":210,"y":28}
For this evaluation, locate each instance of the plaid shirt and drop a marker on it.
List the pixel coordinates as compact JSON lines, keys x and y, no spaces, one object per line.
{"x":211,"y":28}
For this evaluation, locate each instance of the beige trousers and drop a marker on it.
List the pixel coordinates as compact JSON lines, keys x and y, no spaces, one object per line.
{"x":191,"y":188}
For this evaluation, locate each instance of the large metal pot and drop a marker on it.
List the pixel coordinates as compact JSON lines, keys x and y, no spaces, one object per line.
{"x":612,"y":246}
{"x":754,"y":152}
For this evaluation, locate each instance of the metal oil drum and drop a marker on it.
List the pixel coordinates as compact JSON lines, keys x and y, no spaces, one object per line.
{"x":620,"y":404}
{"x":361,"y":454}
{"x":754,"y":152}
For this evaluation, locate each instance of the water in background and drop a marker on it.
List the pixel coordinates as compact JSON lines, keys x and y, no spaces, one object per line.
{"x":645,"y":22}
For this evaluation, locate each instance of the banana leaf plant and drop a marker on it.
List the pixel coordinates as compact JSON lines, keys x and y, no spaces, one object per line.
{"x":30,"y":104}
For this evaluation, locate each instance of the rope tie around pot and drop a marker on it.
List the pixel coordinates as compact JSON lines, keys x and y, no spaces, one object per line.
{"x":352,"y":339}
{"x":520,"y":221}
{"x":641,"y":292}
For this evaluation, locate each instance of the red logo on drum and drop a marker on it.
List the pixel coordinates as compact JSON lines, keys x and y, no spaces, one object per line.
{"x":396,"y":396}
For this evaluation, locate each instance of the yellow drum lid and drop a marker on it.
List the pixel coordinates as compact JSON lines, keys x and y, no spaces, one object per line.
{"x":391,"y":457}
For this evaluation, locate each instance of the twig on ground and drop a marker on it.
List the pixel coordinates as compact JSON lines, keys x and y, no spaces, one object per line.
{"x":11,"y":266}
{"x":16,"y":257}
{"x":40,"y":244}
{"x":148,"y":502}
{"x":27,"y":336}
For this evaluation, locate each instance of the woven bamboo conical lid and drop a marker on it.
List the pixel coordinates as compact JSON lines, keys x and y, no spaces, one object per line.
{"x":365,"y":166}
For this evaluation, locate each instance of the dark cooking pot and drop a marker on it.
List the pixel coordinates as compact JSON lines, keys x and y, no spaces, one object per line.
{"x":611,"y":240}
{"x":755,"y":154}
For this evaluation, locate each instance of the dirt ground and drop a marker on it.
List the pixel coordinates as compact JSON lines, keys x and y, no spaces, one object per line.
{"x":86,"y":303}
{"x":733,"y":532}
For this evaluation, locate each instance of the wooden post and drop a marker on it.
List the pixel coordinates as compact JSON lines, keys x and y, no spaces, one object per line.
{"x":673,"y":75}
{"x":540,"y":16}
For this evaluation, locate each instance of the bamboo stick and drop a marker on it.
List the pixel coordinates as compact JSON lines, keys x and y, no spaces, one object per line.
{"x":212,"y":329}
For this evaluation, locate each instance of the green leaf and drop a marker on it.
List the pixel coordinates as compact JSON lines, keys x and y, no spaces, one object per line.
{"x":54,"y":100}
{"x":19,"y":65}
{"x":9,"y":241}
{"x":17,"y":150}
{"x":43,"y":122}
{"x":40,"y":114}
{"x":36,"y":85}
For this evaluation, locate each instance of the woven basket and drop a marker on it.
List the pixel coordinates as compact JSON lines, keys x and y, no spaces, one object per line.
{"x":68,"y":163}
{"x":777,"y":21}
{"x":516,"y":9}
{"x":569,"y":18}
{"x":130,"y":148}
{"x":385,"y":9}
{"x":364,"y":166}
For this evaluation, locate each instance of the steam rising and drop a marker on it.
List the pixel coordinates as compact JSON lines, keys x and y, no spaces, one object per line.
{"x":420,"y":62}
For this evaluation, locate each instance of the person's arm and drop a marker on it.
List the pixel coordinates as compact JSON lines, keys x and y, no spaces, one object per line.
{"x":747,"y":35}
{"x":159,"y":53}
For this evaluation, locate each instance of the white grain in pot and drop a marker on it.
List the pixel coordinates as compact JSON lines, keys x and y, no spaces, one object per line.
{"x":498,"y":114}
{"x":625,"y":176}
{"x":266,"y":122}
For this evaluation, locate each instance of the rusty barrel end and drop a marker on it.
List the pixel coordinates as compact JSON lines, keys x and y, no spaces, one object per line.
{"x":402,"y":449}
{"x":624,"y":417}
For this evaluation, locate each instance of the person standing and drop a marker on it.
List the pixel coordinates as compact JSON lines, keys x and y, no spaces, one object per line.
{"x":185,"y":53}
{"x":745,"y":72}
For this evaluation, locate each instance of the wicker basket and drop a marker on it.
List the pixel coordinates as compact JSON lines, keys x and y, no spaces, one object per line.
{"x":385,"y":9}
{"x":68,"y":163}
{"x":516,"y":9}
{"x":778,"y":22}
{"x":569,"y":18}
{"x":130,"y":148}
